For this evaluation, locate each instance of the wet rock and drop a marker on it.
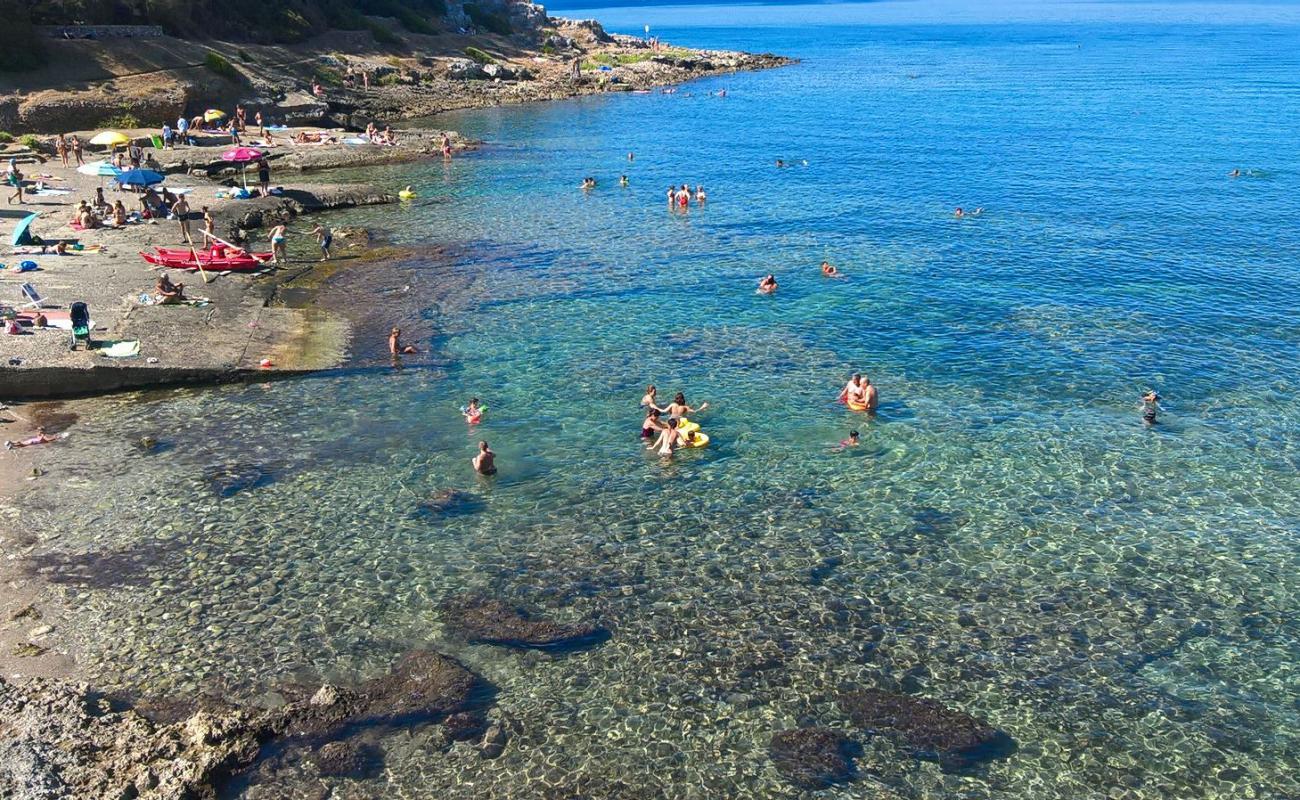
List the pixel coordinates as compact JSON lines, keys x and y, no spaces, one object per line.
{"x":464,"y":726}
{"x":813,"y":758}
{"x":494,"y":741}
{"x":147,"y":444}
{"x":29,"y":650}
{"x":926,"y":728}
{"x":230,"y":479}
{"x":824,"y":569}
{"x":348,"y":759}
{"x":489,"y":621}
{"x":450,"y":502}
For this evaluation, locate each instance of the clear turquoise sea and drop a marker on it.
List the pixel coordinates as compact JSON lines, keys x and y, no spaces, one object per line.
{"x":1010,"y":538}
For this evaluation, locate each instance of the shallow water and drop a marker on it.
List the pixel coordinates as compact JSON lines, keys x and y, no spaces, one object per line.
{"x":1009,"y":538}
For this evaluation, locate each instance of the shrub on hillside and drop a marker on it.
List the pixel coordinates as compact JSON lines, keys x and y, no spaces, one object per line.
{"x":479,"y":56}
{"x":218,"y":64}
{"x":382,"y":34}
{"x":488,"y":20}
{"x":6,"y":137}
{"x":30,"y":142}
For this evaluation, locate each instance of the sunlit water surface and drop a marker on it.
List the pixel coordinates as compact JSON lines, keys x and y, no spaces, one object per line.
{"x":1126,"y":594}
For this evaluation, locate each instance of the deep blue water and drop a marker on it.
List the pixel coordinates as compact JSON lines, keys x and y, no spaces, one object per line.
{"x":1010,"y":538}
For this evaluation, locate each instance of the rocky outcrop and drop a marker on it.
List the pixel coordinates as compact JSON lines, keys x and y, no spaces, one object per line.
{"x":284,"y":208}
{"x":449,"y":502}
{"x":60,"y":740}
{"x":926,"y":728}
{"x":488,"y":621}
{"x":813,"y":758}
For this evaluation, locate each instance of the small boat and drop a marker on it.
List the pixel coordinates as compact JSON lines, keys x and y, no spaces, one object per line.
{"x":217,"y":258}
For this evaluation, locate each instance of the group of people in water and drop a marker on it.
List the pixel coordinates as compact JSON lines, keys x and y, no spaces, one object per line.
{"x":665,"y":426}
{"x":767,"y":284}
{"x":680,"y":198}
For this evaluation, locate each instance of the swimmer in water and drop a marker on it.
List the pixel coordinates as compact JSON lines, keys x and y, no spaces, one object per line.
{"x":669,"y":438}
{"x":672,"y":194}
{"x":588,"y":183}
{"x":700,"y":196}
{"x":678,"y":407}
{"x":485,"y":462}
{"x":631,"y":156}
{"x":959,"y":213}
{"x":870,"y":395}
{"x":622,"y":181}
{"x":1150,"y":407}
{"x":853,"y":391}
{"x":1236,"y":173}
{"x":780,"y":162}
{"x":648,"y":399}
{"x":767,"y":285}
{"x":852,"y":441}
{"x":829,"y":271}
{"x":473,"y":414}
{"x":651,"y":426}
{"x":395,"y":345}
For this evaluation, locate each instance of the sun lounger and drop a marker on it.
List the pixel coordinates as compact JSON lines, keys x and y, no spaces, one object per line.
{"x":31,"y":297}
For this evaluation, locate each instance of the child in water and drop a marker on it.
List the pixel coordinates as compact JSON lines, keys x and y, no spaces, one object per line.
{"x":473,"y":414}
{"x":1150,"y":406}
{"x":767,"y":285}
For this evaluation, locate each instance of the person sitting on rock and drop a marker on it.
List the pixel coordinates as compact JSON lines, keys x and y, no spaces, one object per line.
{"x":169,"y":294}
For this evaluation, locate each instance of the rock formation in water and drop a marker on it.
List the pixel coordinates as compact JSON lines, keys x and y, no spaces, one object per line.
{"x":926,"y":728}
{"x":480,"y":619}
{"x":813,"y":758}
{"x":60,"y":740}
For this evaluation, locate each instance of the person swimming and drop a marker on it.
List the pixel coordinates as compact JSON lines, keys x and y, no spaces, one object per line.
{"x":1236,"y":173}
{"x":678,"y":407}
{"x":700,"y":197}
{"x":669,"y":439}
{"x":852,"y":441}
{"x":648,"y":400}
{"x":959,"y":213}
{"x":485,"y":462}
{"x":1150,"y":407}
{"x":622,"y":181}
{"x":651,"y":425}
{"x":853,"y":390}
{"x":588,"y":183}
{"x":829,"y":270}
{"x":768,"y":284}
{"x":473,"y":414}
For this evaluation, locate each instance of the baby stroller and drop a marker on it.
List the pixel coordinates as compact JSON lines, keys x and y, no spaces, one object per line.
{"x":80,"y":316}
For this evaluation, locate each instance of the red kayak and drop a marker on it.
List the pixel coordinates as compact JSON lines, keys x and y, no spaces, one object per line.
{"x":216,"y":258}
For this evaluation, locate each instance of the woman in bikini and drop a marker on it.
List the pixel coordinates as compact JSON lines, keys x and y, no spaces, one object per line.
{"x":648,"y":401}
{"x":668,"y":439}
{"x":651,"y":426}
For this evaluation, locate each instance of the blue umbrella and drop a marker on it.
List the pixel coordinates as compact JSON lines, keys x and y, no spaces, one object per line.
{"x":22,"y":233}
{"x":140,"y":177}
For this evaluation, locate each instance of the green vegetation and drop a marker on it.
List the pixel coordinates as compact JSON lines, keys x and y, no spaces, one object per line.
{"x":20,"y":48}
{"x":244,"y":56}
{"x":381,"y":33}
{"x":616,"y":60}
{"x":281,"y":21}
{"x":218,"y":64}
{"x":29,"y":141}
{"x":390,"y":79}
{"x":479,"y":56}
{"x":488,"y":20}
{"x":123,"y":120}
{"x":327,"y":76}
{"x":6,"y":137}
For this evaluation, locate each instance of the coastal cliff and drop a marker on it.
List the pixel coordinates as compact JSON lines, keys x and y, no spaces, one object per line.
{"x":382,"y":69}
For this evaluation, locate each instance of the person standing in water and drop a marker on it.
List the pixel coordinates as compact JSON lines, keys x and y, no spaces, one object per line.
{"x":648,"y":399}
{"x":852,"y":391}
{"x":485,"y":462}
{"x":324,"y":238}
{"x":767,"y":285}
{"x":870,"y":396}
{"x":678,"y":407}
{"x":669,"y":439}
{"x":473,"y":414}
{"x":395,"y":346}
{"x":1150,"y":407}
{"x":651,"y":426}
{"x":278,"y":253}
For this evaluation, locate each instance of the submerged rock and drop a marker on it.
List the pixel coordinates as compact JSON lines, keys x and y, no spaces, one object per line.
{"x":61,"y":740}
{"x":814,"y":758}
{"x":230,"y":479}
{"x":348,"y":759}
{"x":447,"y":502}
{"x":489,"y":621}
{"x":926,"y":728}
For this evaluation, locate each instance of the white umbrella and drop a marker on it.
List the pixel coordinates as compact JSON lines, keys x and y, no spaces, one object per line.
{"x":101,"y":168}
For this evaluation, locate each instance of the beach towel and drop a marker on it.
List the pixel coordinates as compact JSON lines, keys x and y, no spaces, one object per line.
{"x":120,"y":349}
{"x":50,"y":192}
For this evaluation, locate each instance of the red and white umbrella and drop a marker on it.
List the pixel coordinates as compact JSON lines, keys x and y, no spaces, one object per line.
{"x":241,"y":156}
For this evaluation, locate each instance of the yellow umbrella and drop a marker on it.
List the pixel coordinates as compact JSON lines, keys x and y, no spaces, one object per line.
{"x":111,"y":138}
{"x":213,"y":114}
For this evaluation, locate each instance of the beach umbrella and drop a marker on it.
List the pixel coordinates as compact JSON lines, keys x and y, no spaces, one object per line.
{"x":101,"y":168}
{"x":241,"y":156}
{"x":110,"y":139}
{"x":140,"y":177}
{"x":23,"y":233}
{"x":214,"y":114}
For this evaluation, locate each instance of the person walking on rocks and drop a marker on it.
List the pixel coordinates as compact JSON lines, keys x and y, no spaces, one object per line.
{"x":324,"y":238}
{"x":264,"y":177}
{"x":278,"y":254}
{"x":182,"y":211}
{"x":261,"y":126}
